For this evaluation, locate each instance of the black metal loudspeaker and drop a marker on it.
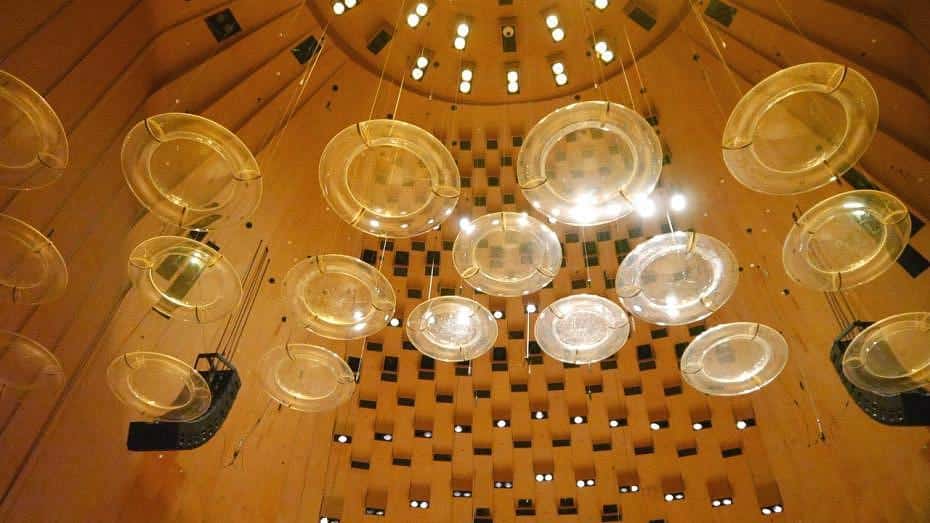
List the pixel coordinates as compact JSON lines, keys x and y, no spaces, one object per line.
{"x":905,"y":409}
{"x":224,"y":384}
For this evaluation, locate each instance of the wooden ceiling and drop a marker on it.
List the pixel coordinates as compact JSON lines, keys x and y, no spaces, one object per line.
{"x":107,"y":66}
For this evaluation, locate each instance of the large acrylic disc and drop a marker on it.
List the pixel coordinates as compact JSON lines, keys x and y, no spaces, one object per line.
{"x":339,"y":297}
{"x":451,"y":328}
{"x":158,"y":386}
{"x":800,"y":128}
{"x":32,"y":270}
{"x":586,"y":163}
{"x":582,"y":328}
{"x":307,"y":378}
{"x":389,"y":178}
{"x":846,"y":240}
{"x":677,"y":278}
{"x":507,"y":254}
{"x":33,"y":143}
{"x":25,"y":364}
{"x":191,"y":172}
{"x":734,"y":358}
{"x":185,"y":279}
{"x":891,"y":356}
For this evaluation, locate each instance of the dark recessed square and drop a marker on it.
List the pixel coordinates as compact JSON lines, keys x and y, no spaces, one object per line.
{"x":643,"y":450}
{"x":482,"y":393}
{"x":223,"y":24}
{"x":305,"y":50}
{"x":696,"y":330}
{"x":414,"y":293}
{"x":518,"y":387}
{"x":368,"y":404}
{"x":522,"y":444}
{"x":601,"y":447}
{"x":632,"y":391}
{"x":608,"y":364}
{"x":659,"y":333}
{"x":731,"y":452}
{"x":674,"y":390}
{"x":418,"y":246}
{"x":912,"y":261}
{"x":647,"y":365}
{"x":444,"y":398}
{"x":683,"y":453}
{"x":369,"y":256}
{"x":405,"y":402}
{"x":426,"y":375}
{"x":482,"y":451}
{"x":558,"y":385}
{"x":465,"y":145}
{"x":442,"y":457}
{"x":561,"y":442}
{"x":379,"y":41}
{"x":644,"y":352}
{"x":492,"y":144}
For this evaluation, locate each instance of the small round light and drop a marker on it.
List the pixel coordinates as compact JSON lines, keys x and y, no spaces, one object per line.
{"x":413,"y":19}
{"x":614,"y":423}
{"x":530,"y":308}
{"x":678,"y":202}
{"x":458,"y":428}
{"x":417,"y":73}
{"x":465,"y":87}
{"x":577,"y":420}
{"x":715,"y":503}
{"x":395,"y":322}
{"x":741,"y":425}
{"x":422,"y":62}
{"x":645,"y":206}
{"x":501,"y":423}
{"x":462,"y":30}
{"x":459,"y":43}
{"x":654,"y":426}
{"x":342,"y":438}
{"x":513,"y":87}
{"x":561,"y":79}
{"x":540,"y":477}
{"x":580,"y":483}
{"x":624,"y":490}
{"x":388,"y":437}
{"x":558,"y":34}
{"x":540,"y":414}
{"x":600,"y":4}
{"x":697,"y":426}
{"x":727,"y":501}
{"x":548,"y":477}
{"x":607,"y":56}
{"x":777,"y":508}
{"x":600,"y":47}
{"x":513,"y":76}
{"x":552,"y":21}
{"x":634,"y":488}
{"x":424,"y":504}
{"x":766,"y":511}
{"x":467,"y":75}
{"x":498,"y":315}
{"x":339,"y":8}
{"x":422,"y":9}
{"x":414,"y":504}
{"x":589,"y":482}
{"x":669,"y":497}
{"x":351,"y":3}
{"x":558,"y":68}
{"x":679,"y":496}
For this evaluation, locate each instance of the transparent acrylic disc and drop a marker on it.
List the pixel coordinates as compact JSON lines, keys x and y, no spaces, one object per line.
{"x":734,"y":358}
{"x":451,"y":328}
{"x":585,"y":163}
{"x":33,"y":143}
{"x":307,"y":378}
{"x":891,"y":356}
{"x":677,"y":278}
{"x":26,"y":365}
{"x":800,"y":128}
{"x":339,"y":297}
{"x":507,"y":254}
{"x":582,"y":328}
{"x":191,"y":172}
{"x":32,"y":270}
{"x":185,"y":279}
{"x":846,"y":240}
{"x":158,"y":386}
{"x":389,"y":178}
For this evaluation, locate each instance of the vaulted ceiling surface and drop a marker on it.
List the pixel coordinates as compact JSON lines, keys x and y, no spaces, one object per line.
{"x":115,"y":65}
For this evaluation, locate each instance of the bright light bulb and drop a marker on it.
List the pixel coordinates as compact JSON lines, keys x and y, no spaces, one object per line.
{"x":395,"y":322}
{"x":513,"y":76}
{"x":459,"y":43}
{"x":614,"y":423}
{"x":513,"y":87}
{"x":678,"y":202}
{"x":715,"y":502}
{"x":552,"y":21}
{"x":644,"y":206}
{"x":777,"y":508}
{"x":741,"y":424}
{"x":498,"y":315}
{"x":462,"y":30}
{"x":417,"y":73}
{"x":465,"y":87}
{"x":540,"y":477}
{"x":530,"y":308}
{"x":501,"y":423}
{"x":600,"y":47}
{"x":467,"y":75}
{"x":601,"y":4}
{"x":577,"y":420}
{"x":422,"y":62}
{"x":351,"y":3}
{"x":589,"y":482}
{"x":727,"y":501}
{"x":339,"y":8}
{"x":580,"y":483}
{"x":422,"y":9}
{"x":607,"y":56}
{"x":558,"y":68}
{"x":548,"y":477}
{"x":654,"y":426}
{"x":413,"y":19}
{"x":558,"y":34}
{"x":669,"y":497}
{"x":697,"y":426}
{"x":540,"y":414}
{"x":634,"y":488}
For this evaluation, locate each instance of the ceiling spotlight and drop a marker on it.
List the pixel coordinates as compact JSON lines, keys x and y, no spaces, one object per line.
{"x":395,"y":322}
{"x":530,"y":308}
{"x":607,"y":56}
{"x":387,"y":437}
{"x":601,"y":4}
{"x":715,"y":503}
{"x":540,"y":477}
{"x":458,"y":428}
{"x":513,"y":88}
{"x":501,"y":423}
{"x":552,"y":21}
{"x":339,"y":8}
{"x":669,"y":497}
{"x":679,"y":495}
{"x":580,"y":483}
{"x":342,"y":438}
{"x":350,"y":3}
{"x":697,"y":426}
{"x":424,"y":504}
{"x":729,"y":501}
{"x":558,"y":34}
{"x":740,"y":425}
{"x":459,"y":43}
{"x":498,"y":315}
{"x":775,"y":508}
{"x":644,"y":206}
{"x":413,"y":19}
{"x":678,"y":202}
{"x":427,"y":434}
{"x":767,"y":511}
{"x":654,"y":426}
{"x":416,"y":73}
{"x":558,"y":68}
{"x":577,"y":420}
{"x":513,"y":76}
{"x":561,"y":79}
{"x":539,"y":414}
{"x":614,"y":423}
{"x":414,"y":504}
{"x":422,"y":62}
{"x":462,"y":29}
{"x":634,"y":488}
{"x":589,"y":482}
{"x":600,"y":47}
{"x":422,"y":8}
{"x":548,"y":477}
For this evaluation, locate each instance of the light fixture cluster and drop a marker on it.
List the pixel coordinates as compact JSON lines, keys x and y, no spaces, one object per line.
{"x":743,"y":424}
{"x":658,"y":425}
{"x":503,"y":484}
{"x":578,"y":420}
{"x":341,"y":6}
{"x":674,"y":496}
{"x":721,"y":502}
{"x":462,"y":429}
{"x":559,"y":73}
{"x":603,"y":51}
{"x":555,"y":27}
{"x":342,"y":438}
{"x":647,"y":207}
{"x":628,"y":489}
{"x":701,"y":425}
{"x":601,"y":4}
{"x":419,"y":503}
{"x":616,"y":422}
{"x":461,"y":493}
{"x":772,"y":509}
{"x":374,"y":512}
{"x":541,"y":478}
{"x":426,"y":434}
{"x":582,"y":483}
{"x":384,"y":437}
{"x":420,"y":65}
{"x":513,"y":79}
{"x":325,"y":519}
{"x":420,"y":10}
{"x":462,"y":30}
{"x":502,"y":423}
{"x":466,"y":77}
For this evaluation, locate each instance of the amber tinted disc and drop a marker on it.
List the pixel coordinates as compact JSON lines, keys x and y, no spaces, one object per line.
{"x":25,"y":364}
{"x":734,"y":358}
{"x":891,"y":356}
{"x":800,"y":128}
{"x":158,"y":386}
{"x":307,"y":378}
{"x":507,"y":254}
{"x":677,"y":278}
{"x":585,"y":163}
{"x":185,"y":279}
{"x":389,"y":178}
{"x":33,"y":143}
{"x":847,"y":240}
{"x":339,"y":297}
{"x":451,"y":328}
{"x":191,"y":172}
{"x":32,"y":270}
{"x":582,"y":328}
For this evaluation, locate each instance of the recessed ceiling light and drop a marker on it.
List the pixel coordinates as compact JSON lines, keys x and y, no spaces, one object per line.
{"x":552,"y":21}
{"x":422,"y":8}
{"x":462,"y":29}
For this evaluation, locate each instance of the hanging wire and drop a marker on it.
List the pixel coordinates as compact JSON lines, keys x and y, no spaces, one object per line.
{"x":596,"y":66}
{"x":717,"y":50}
{"x":387,"y":59}
{"x":816,"y":50}
{"x":240,"y":444}
{"x":642,"y":85}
